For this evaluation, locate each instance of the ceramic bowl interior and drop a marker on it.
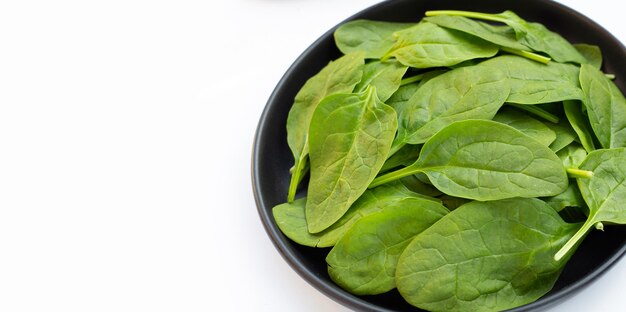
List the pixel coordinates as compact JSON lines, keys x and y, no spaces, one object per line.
{"x":272,"y":159}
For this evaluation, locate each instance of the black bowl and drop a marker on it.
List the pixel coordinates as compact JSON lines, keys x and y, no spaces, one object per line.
{"x":272,"y":159}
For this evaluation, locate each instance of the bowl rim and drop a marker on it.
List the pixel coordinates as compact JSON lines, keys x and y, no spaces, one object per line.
{"x":334,"y":293}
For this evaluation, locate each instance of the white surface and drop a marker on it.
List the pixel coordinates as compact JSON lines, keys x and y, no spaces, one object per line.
{"x":126,"y":131}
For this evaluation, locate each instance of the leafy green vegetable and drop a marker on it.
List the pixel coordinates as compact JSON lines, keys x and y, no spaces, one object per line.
{"x":385,"y":77}
{"x":571,"y":197}
{"x":349,"y":139}
{"x":374,"y":38}
{"x":565,"y":135}
{"x":572,"y":155}
{"x":404,"y":157}
{"x":526,"y":124}
{"x":592,"y":54}
{"x":473,"y":92}
{"x":416,"y":185}
{"x":452,"y":202}
{"x":533,"y":35}
{"x":290,"y":217}
{"x":364,"y":260}
{"x":604,"y":192}
{"x":340,"y":76}
{"x":486,"y":160}
{"x":503,"y":36}
{"x":606,"y":107}
{"x":579,"y":123}
{"x":428,"y":45}
{"x":535,"y":83}
{"x":484,"y":256}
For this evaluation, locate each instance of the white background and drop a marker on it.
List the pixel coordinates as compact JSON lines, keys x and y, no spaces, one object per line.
{"x":126,"y":132}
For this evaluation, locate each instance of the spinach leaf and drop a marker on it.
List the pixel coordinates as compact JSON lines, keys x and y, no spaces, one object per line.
{"x":486,"y":160}
{"x":526,"y":124}
{"x":604,"y":192}
{"x":606,"y":107}
{"x":484,"y":256}
{"x":572,"y":155}
{"x":503,"y":36}
{"x":565,"y":135}
{"x":385,"y":76}
{"x":428,"y":45}
{"x":592,"y":54}
{"x":571,"y":197}
{"x":404,"y":157}
{"x":533,"y":35}
{"x":473,"y":92}
{"x":340,"y":76}
{"x":536,"y":83}
{"x":579,"y":122}
{"x":290,"y":217}
{"x":364,"y":260}
{"x":349,"y":139}
{"x":416,"y":185}
{"x":374,"y":38}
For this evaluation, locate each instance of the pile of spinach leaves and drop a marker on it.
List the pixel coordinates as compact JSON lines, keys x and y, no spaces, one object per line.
{"x":445,"y":156}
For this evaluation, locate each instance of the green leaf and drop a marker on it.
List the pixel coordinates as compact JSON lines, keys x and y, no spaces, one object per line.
{"x":473,"y":92}
{"x":452,"y":202}
{"x":484,"y":256}
{"x":533,"y":35}
{"x":503,"y":36}
{"x":580,"y":124}
{"x":374,"y":38}
{"x":428,"y":45}
{"x":592,"y":54}
{"x":340,"y":76}
{"x":403,"y":157}
{"x":349,"y":140}
{"x":572,"y":155}
{"x":486,"y":160}
{"x":535,"y":83}
{"x":364,"y":260}
{"x":526,"y":124}
{"x":385,"y":77}
{"x":604,"y":192}
{"x":290,"y":217}
{"x":565,"y":135}
{"x":606,"y":107}
{"x":571,"y":197}
{"x":416,"y":185}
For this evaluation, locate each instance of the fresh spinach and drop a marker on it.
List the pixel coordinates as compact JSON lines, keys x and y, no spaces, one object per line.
{"x":533,"y":35}
{"x":364,"y":260}
{"x":580,"y":124}
{"x":385,"y":76}
{"x":592,"y":54}
{"x":565,"y":135}
{"x":427,"y":45}
{"x":536,"y":83}
{"x":526,"y":124}
{"x":340,"y":76}
{"x":486,"y":160}
{"x":606,"y":107}
{"x":473,"y":92}
{"x":604,"y":193}
{"x":374,"y":38}
{"x":349,"y":139}
{"x":484,"y":256}
{"x":291,"y":219}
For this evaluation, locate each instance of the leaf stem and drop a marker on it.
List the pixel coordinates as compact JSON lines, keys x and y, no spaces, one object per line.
{"x":301,"y":166}
{"x":527,"y":54}
{"x":395,"y":175}
{"x":578,"y":173}
{"x":610,"y":76}
{"x":580,"y":234}
{"x":539,"y":112}
{"x":412,"y":79}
